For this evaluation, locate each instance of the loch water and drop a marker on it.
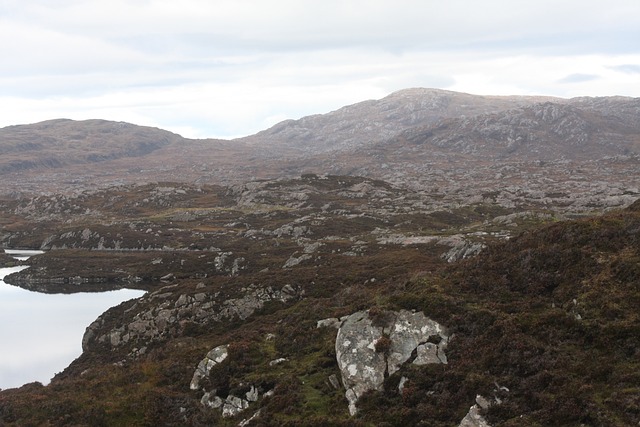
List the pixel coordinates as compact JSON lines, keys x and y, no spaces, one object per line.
{"x":41,"y":334}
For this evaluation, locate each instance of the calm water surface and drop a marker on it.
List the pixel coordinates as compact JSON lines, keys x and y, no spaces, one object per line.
{"x":40,"y":334}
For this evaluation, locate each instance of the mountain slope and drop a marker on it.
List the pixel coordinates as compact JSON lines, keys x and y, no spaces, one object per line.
{"x":61,"y":143}
{"x":370,"y":121}
{"x":541,"y":132}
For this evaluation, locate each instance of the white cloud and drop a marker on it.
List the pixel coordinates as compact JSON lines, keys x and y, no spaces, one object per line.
{"x":229,"y":68}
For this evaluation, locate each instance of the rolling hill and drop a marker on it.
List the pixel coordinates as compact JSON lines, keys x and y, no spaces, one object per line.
{"x":387,"y":138}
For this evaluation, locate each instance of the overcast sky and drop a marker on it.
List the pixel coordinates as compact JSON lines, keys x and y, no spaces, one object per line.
{"x":228,"y":68}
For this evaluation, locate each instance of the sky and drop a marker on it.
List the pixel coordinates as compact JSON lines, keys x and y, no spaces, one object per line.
{"x":230,"y":68}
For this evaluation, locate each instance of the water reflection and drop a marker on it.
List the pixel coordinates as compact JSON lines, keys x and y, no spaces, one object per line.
{"x":40,"y":334}
{"x":22,"y":254}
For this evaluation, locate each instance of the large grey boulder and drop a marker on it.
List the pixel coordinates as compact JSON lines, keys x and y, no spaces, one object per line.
{"x":370,"y":349}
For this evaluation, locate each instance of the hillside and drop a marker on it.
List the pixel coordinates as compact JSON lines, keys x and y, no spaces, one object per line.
{"x":464,"y":145}
{"x":66,"y":156}
{"x":255,"y":289}
{"x":64,"y":143}
{"x":361,"y":124}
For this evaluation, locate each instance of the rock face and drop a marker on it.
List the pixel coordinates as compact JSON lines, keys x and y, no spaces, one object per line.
{"x":373,"y":345}
{"x":157,"y":321}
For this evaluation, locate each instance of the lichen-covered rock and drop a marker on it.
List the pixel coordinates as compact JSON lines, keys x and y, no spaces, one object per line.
{"x":293,"y":260}
{"x":361,"y":366}
{"x":214,"y":357}
{"x":156,"y":321}
{"x":368,"y":350}
{"x":473,"y":418}
{"x":331,"y":322}
{"x":412,"y":331}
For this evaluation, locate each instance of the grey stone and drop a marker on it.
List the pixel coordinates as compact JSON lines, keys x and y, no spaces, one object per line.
{"x":252,"y":394}
{"x":474,"y":419}
{"x":233,"y":406}
{"x":426,"y":353}
{"x":363,"y":368}
{"x":154,"y":322}
{"x":211,"y":400}
{"x":401,"y":384}
{"x":293,"y":261}
{"x":408,"y":331}
{"x":214,"y":357}
{"x":246,"y":422}
{"x":482,"y":402}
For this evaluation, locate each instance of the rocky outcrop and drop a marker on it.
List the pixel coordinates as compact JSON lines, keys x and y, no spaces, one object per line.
{"x":460,"y":246}
{"x":293,"y":260}
{"x":473,"y":417}
{"x":230,"y":405}
{"x":463,"y":250}
{"x":161,"y":314}
{"x":373,"y":345}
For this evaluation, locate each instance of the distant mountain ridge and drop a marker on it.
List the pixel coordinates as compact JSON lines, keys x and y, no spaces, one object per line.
{"x":377,"y":120}
{"x":413,"y":135}
{"x":63,"y":142}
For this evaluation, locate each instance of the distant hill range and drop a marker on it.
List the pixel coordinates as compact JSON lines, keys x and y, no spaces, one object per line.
{"x":422,"y":137}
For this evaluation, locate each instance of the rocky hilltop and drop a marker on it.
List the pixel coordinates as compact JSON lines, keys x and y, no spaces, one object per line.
{"x":361,"y":124}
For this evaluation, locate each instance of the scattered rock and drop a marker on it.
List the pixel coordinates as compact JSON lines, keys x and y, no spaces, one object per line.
{"x":293,"y":260}
{"x":231,"y":405}
{"x":401,"y":384}
{"x":278,"y":361}
{"x":246,"y":422}
{"x":463,"y":250}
